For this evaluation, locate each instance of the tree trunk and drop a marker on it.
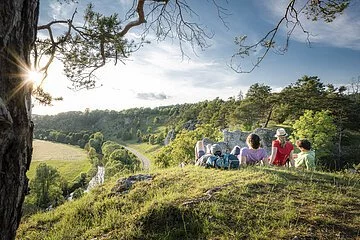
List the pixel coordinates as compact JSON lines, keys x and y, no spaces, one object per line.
{"x":268,"y":117}
{"x":18,"y":20}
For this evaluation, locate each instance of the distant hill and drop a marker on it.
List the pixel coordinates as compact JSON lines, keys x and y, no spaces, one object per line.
{"x":260,"y":107}
{"x":198,"y":203}
{"x":114,"y":125}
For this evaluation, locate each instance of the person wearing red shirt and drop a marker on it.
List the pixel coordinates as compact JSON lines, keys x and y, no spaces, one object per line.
{"x":282,"y":150}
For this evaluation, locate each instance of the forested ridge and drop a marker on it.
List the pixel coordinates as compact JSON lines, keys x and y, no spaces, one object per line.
{"x":259,"y":107}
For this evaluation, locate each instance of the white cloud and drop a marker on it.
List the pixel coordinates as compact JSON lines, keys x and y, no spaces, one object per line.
{"x":60,"y":11}
{"x":152,"y":96}
{"x":156,"y":74}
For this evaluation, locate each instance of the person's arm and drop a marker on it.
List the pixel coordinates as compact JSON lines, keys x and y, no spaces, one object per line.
{"x":291,"y":158}
{"x":310,"y":162}
{"x":242,"y":157}
{"x":273,"y":154}
{"x":265,"y":161}
{"x":243,"y":161}
{"x":300,"y":160}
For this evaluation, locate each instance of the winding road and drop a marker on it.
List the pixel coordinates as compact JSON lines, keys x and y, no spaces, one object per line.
{"x":145,"y":161}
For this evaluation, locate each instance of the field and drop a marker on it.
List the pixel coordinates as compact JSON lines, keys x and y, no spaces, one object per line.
{"x":69,"y":160}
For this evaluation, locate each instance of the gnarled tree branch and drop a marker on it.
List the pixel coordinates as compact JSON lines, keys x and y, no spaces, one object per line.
{"x":312,"y":9}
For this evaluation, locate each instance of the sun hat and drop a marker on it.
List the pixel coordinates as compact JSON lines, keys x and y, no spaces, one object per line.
{"x":280,"y":132}
{"x":216,"y":148}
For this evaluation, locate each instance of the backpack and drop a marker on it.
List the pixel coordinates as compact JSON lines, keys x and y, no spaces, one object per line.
{"x":211,"y":161}
{"x":226,"y":161}
{"x":231,"y":161}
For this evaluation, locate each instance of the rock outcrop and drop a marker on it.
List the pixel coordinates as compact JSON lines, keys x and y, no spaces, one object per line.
{"x":123,"y":185}
{"x":231,"y":139}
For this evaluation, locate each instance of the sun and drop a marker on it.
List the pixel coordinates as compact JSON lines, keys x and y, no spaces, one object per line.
{"x":36,"y":78}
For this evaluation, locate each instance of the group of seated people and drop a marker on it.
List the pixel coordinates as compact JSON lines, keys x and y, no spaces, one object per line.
{"x":282,"y":152}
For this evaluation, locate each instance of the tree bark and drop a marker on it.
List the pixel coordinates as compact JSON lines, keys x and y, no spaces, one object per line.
{"x":268,"y":117}
{"x":18,"y":21}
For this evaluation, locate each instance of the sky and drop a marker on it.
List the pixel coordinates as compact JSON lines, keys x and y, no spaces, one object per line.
{"x":158,"y":75}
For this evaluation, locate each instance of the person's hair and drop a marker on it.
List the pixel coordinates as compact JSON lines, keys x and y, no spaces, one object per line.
{"x":303,"y":143}
{"x":282,"y":140}
{"x":253,"y":140}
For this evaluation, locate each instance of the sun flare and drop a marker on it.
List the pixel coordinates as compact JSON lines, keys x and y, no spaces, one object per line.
{"x":35,"y":77}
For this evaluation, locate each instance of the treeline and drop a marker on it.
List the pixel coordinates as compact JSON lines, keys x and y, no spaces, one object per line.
{"x":259,"y":107}
{"x":138,"y":123}
{"x":74,"y":138}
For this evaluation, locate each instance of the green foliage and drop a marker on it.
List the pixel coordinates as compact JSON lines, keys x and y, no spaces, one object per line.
{"x":319,"y":129}
{"x":117,"y":159}
{"x":91,"y":46}
{"x":258,"y":97}
{"x":46,"y":186}
{"x":80,"y":181}
{"x":156,"y":120}
{"x":308,"y":93}
{"x":96,"y":140}
{"x":182,"y":148}
{"x":78,"y":193}
{"x":326,"y":10}
{"x":149,"y":129}
{"x":108,"y":148}
{"x":80,"y":138}
{"x":93,"y":156}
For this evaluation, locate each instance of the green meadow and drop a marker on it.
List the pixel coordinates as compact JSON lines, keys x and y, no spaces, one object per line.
{"x":69,"y":160}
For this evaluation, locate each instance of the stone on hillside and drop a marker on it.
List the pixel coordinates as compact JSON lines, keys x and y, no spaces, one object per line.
{"x":124,"y":184}
{"x":169,"y":137}
{"x":236,"y":138}
{"x":224,"y":147}
{"x":207,"y":141}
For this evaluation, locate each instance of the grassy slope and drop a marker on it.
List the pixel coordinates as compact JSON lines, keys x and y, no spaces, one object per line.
{"x":69,"y":160}
{"x":252,"y":203}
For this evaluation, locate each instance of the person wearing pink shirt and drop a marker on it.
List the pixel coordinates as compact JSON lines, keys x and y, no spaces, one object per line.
{"x":253,"y":154}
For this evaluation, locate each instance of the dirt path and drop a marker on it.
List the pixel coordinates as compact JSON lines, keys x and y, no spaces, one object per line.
{"x":145,"y":161}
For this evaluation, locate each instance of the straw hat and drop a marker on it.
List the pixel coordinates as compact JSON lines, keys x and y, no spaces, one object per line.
{"x":280,"y":132}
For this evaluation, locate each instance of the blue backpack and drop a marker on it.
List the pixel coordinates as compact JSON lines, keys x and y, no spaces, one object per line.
{"x":226,"y":161}
{"x":231,"y":161}
{"x":211,"y":161}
